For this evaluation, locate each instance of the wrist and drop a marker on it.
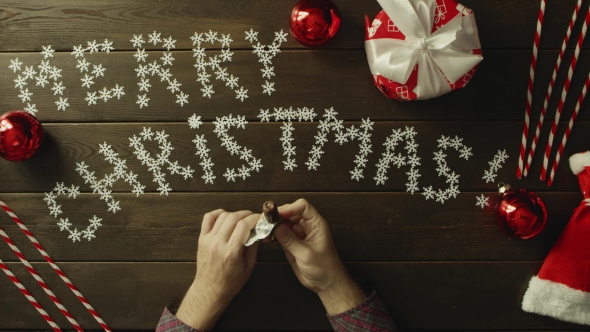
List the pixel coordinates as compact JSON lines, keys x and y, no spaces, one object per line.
{"x":343,"y":295}
{"x":201,"y":308}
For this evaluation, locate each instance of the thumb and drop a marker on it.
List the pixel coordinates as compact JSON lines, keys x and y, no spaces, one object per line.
{"x":290,"y":242}
{"x":250,"y":255}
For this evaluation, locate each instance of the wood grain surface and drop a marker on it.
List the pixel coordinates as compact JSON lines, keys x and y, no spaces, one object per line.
{"x":304,"y":79}
{"x":426,"y":296}
{"x":437,"y":267}
{"x":389,"y":227}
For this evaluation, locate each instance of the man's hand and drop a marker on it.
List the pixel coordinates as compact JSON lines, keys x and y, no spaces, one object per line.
{"x":224,"y":265}
{"x":307,"y":242}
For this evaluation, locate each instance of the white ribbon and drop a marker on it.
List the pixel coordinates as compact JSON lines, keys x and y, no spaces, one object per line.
{"x":439,"y":54}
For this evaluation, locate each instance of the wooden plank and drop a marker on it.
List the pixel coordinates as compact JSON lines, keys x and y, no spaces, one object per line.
{"x":68,"y":144}
{"x":502,"y":24}
{"x":454,"y":296}
{"x":365,"y":226}
{"x":316,"y":79}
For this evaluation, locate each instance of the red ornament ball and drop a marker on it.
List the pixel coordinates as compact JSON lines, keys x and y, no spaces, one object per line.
{"x":315,"y":23}
{"x":20,"y":135}
{"x":520,"y":214}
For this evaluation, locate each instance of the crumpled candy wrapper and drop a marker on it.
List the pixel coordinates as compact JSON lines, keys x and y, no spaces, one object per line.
{"x":421,"y":49}
{"x":263,"y":228}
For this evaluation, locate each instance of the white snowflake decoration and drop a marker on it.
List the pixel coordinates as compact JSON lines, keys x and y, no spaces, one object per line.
{"x":268,"y":87}
{"x":482,"y":201}
{"x":154,"y":68}
{"x":98,"y":70}
{"x":452,"y":178}
{"x":155,"y":38}
{"x":288,"y":115}
{"x":62,"y":104}
{"x":15,"y":65}
{"x":389,"y":158}
{"x":222,"y":126}
{"x":365,"y":145}
{"x":155,"y":164}
{"x":266,"y":53}
{"x":495,"y":165}
{"x":42,"y":79}
{"x":214,"y":63}
{"x":47,"y":52}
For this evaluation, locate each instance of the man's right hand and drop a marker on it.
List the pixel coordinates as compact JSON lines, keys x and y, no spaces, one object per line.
{"x":308,"y":245}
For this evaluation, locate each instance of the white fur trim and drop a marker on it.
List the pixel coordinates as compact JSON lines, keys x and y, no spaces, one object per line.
{"x":579,"y":161}
{"x":548,"y":298}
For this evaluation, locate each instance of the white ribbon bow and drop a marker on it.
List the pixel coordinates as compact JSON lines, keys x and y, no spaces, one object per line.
{"x":441,"y":52}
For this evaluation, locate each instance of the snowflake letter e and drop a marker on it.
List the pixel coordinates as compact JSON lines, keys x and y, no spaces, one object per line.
{"x":389,"y":158}
{"x":443,"y":169}
{"x":94,"y":71}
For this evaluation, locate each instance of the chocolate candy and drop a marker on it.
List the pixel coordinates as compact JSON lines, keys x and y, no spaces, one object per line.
{"x":271,"y":212}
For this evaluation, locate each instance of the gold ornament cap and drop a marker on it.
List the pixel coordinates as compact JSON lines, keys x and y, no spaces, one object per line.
{"x":503,"y":188}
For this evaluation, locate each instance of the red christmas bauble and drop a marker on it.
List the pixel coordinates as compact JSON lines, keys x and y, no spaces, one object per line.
{"x":315,"y":23}
{"x":520,"y":214}
{"x":20,"y":135}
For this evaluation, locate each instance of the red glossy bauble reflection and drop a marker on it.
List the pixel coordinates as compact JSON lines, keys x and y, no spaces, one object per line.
{"x":20,"y":135}
{"x":520,"y":214}
{"x":315,"y":23}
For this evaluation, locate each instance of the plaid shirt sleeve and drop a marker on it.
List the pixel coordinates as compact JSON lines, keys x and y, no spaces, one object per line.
{"x":169,"y":323}
{"x":370,"y":315}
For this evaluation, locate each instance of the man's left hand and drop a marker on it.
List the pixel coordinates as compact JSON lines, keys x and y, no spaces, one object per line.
{"x":224,"y":265}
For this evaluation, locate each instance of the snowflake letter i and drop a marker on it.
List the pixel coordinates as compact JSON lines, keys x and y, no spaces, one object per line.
{"x":194,"y":122}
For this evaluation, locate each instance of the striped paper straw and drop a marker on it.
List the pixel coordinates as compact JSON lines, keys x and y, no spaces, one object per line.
{"x":568,"y":130}
{"x":563,"y":96}
{"x":29,"y":297}
{"x":550,"y":89}
{"x":56,"y":268}
{"x":527,"y":114}
{"x":40,"y":281}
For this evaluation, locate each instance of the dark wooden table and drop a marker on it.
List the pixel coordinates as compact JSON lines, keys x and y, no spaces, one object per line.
{"x":437,"y":267}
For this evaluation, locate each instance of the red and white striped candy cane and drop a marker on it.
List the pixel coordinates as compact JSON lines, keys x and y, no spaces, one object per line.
{"x":56,"y":268}
{"x":40,"y":281}
{"x":568,"y":130}
{"x":29,"y":297}
{"x":529,"y":99}
{"x":563,"y":96}
{"x":550,"y":89}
